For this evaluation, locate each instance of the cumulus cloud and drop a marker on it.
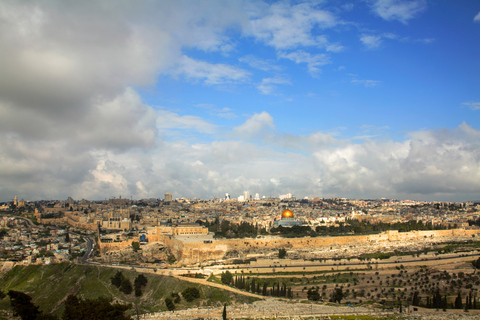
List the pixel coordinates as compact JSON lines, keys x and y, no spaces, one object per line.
{"x":474,"y":105}
{"x":256,"y":124}
{"x":72,"y":122}
{"x":477,"y":18}
{"x":268,"y":85}
{"x":401,"y":10}
{"x":370,"y":41}
{"x":285,"y":26}
{"x":210,"y":73}
{"x":170,"y":120}
{"x":313,"y":61}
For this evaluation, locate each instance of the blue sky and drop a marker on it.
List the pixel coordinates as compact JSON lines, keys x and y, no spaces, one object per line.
{"x":358,"y":99}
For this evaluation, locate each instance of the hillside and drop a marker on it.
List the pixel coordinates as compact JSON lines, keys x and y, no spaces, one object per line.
{"x":49,"y":286}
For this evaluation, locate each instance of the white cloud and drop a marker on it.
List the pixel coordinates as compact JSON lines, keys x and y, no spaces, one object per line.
{"x":366,"y":83}
{"x":259,"y":64}
{"x":167,"y":121}
{"x":256,"y":124}
{"x":225,"y":112}
{"x":370,"y":41}
{"x":286,"y":26}
{"x":477,"y":18}
{"x":401,"y":10}
{"x":210,"y":73}
{"x":474,"y":105}
{"x":268,"y":84}
{"x":313,"y":61}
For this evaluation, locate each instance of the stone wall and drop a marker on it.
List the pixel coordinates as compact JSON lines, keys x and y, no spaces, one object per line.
{"x":192,"y":251}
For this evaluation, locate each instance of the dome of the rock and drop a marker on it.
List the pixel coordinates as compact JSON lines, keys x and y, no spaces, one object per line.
{"x":287,"y":214}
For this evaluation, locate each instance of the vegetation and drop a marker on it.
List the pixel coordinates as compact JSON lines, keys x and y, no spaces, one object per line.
{"x":190,"y":294}
{"x":50,"y":285}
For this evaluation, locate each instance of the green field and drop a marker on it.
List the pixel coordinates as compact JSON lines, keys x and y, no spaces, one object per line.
{"x":50,"y":285}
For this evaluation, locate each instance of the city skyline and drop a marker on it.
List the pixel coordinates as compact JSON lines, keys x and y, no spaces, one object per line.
{"x":364,"y":99}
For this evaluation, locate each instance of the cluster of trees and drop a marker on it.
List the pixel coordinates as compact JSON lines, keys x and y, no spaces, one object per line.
{"x":125,"y":286}
{"x":189,"y":294}
{"x":255,"y":286}
{"x":225,"y":229}
{"x":75,"y":308}
{"x":351,"y":226}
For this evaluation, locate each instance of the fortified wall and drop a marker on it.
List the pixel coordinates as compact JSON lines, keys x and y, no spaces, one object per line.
{"x":193,"y":246}
{"x":198,"y":251}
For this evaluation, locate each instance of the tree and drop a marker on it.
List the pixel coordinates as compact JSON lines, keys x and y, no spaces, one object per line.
{"x":416,"y":299}
{"x":458,"y":301}
{"x":226,"y":278}
{"x":313,"y":295}
{"x":190,"y":294}
{"x":337,"y":295}
{"x":100,"y":308}
{"x":282,"y":253}
{"x":126,"y":286}
{"x":169,"y":303}
{"x":117,"y":279}
{"x":72,"y":304}
{"x":140,"y":282}
{"x":67,"y":237}
{"x":224,"y":314}
{"x":135,"y":246}
{"x":476,"y":264}
{"x":22,"y":305}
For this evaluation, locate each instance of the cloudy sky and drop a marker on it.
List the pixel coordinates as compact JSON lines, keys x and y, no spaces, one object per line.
{"x":358,"y":99}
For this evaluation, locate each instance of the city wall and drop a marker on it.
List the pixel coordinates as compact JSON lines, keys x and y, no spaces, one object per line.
{"x":192,"y":251}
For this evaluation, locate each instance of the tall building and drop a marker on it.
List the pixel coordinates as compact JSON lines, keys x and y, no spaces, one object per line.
{"x":227,"y":196}
{"x":168,"y":197}
{"x":257,"y":196}
{"x":15,"y":201}
{"x":246,"y":195}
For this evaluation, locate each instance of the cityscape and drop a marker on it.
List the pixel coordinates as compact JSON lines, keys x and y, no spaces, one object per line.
{"x":242,"y":245}
{"x":242,"y":159}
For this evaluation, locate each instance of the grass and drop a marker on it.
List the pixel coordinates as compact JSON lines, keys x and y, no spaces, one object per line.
{"x":49,"y":285}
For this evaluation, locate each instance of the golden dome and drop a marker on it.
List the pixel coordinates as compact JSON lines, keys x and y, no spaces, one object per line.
{"x":287,"y":214}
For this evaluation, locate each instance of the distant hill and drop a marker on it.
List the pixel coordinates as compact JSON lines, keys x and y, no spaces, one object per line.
{"x":49,"y":286}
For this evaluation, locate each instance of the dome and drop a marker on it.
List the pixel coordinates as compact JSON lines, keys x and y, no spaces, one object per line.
{"x":287,"y":214}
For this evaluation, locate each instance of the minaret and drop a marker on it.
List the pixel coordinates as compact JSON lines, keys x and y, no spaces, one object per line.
{"x":15,"y":201}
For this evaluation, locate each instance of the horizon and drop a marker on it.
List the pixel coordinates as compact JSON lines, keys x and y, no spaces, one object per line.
{"x":352,"y":98}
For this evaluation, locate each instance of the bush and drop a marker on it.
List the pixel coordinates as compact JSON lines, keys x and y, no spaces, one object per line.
{"x":169,"y":303}
{"x":226,"y":278}
{"x":126,"y":286}
{"x":190,"y":294}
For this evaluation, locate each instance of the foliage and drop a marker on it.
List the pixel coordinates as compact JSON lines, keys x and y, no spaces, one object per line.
{"x":176,"y":297}
{"x":117,"y":279}
{"x":135,"y":246}
{"x":226,"y":278}
{"x":126,"y":286}
{"x":458,"y":301}
{"x":22,"y":305}
{"x":312,"y":294}
{"x":190,"y":294}
{"x":282,"y":253}
{"x":476,"y":264}
{"x":225,"y":229}
{"x":100,"y":308}
{"x":140,"y":282}
{"x":337,"y":295}
{"x":169,"y":303}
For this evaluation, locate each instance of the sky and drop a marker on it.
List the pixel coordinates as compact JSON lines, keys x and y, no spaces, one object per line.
{"x":358,"y":99}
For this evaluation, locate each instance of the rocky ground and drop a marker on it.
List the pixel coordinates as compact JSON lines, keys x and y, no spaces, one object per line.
{"x":276,"y":309}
